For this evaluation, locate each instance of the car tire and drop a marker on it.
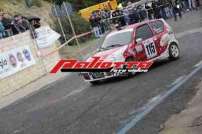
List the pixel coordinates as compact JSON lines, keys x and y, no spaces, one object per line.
{"x":174,"y":51}
{"x":94,"y":82}
{"x":128,"y":60}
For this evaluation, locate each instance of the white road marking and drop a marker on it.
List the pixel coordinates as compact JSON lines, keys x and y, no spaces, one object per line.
{"x":198,"y":64}
{"x":178,"y":80}
{"x":74,"y":93}
{"x":51,"y":102}
{"x":133,"y":120}
{"x":18,"y":131}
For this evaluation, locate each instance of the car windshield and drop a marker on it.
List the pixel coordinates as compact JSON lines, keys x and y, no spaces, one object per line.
{"x":118,"y":39}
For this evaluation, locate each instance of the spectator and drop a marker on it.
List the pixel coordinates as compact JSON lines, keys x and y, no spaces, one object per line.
{"x":115,"y":18}
{"x":98,"y":21}
{"x":156,"y":8}
{"x":21,"y":24}
{"x":162,"y":8}
{"x":18,"y":24}
{"x":134,"y":16}
{"x":185,"y":5}
{"x":35,"y":22}
{"x":103,"y":16}
{"x":126,"y":16}
{"x":169,"y":9}
{"x":94,"y":25}
{"x":197,"y":4}
{"x":2,"y":28}
{"x":194,"y":4}
{"x":190,"y":4}
{"x":121,"y":18}
{"x":142,"y":13}
{"x":7,"y":24}
{"x":149,"y":11}
{"x":177,"y":9}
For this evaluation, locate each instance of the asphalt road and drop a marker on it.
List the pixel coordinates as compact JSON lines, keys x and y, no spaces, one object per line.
{"x":71,"y":106}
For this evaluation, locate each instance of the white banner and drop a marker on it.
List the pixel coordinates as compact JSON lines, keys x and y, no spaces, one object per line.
{"x":46,"y":37}
{"x":15,"y":60}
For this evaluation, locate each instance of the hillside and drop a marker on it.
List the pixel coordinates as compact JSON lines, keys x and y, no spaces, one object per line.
{"x":19,"y":7}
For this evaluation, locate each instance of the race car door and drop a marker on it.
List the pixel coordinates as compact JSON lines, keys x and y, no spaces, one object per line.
{"x":145,"y":34}
{"x":158,"y":29}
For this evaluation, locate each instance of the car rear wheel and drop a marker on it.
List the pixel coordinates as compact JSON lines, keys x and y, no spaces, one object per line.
{"x":174,"y":51}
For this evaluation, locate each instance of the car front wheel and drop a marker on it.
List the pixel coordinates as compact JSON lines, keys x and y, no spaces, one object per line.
{"x":94,"y":82}
{"x":174,"y":51}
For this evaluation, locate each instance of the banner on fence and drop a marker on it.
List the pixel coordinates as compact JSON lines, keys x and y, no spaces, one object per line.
{"x":15,"y":60}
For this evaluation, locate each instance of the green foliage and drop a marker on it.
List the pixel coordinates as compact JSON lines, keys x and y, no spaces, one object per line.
{"x":80,"y":25}
{"x":48,"y":0}
{"x":37,"y":3}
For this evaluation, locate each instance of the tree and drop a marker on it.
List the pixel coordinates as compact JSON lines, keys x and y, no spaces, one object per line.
{"x":58,"y":2}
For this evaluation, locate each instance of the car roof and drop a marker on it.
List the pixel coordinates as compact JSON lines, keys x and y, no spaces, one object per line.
{"x":141,"y":23}
{"x":120,"y":31}
{"x":131,"y":27}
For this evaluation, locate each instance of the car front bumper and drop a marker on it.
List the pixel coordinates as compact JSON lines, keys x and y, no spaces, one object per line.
{"x":97,"y":76}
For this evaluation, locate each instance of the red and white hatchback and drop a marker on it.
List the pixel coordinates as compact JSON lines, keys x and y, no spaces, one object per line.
{"x":145,"y":41}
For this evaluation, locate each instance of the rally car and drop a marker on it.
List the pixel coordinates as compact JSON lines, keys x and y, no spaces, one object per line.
{"x":146,"y":41}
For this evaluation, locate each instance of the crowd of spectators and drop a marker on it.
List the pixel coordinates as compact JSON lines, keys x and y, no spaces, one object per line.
{"x":10,"y":26}
{"x":102,"y":20}
{"x":99,"y":21}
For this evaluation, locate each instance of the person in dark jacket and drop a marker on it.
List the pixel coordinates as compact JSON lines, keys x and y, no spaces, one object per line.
{"x":134,"y":16}
{"x":2,"y":28}
{"x":198,"y":3}
{"x":20,"y":24}
{"x":6,"y":20}
{"x":156,"y":8}
{"x":149,"y":11}
{"x":177,"y":9}
{"x":162,"y":8}
{"x":95,"y":24}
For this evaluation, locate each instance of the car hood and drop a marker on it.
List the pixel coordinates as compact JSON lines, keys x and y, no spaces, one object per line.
{"x":114,"y":54}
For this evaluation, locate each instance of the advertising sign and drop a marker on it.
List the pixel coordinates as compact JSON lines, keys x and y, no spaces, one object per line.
{"x":15,"y":60}
{"x":46,"y":37}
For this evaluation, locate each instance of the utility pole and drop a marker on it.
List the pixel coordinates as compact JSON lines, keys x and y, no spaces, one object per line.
{"x":59,"y":21}
{"x":71,"y":24}
{"x":73,"y":30}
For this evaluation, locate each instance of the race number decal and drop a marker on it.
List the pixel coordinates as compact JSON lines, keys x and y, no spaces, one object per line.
{"x":150,"y":48}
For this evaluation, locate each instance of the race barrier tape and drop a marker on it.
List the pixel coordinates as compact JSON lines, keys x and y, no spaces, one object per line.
{"x":67,"y":42}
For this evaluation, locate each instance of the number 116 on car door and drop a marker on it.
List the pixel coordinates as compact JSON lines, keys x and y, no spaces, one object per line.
{"x":150,"y":48}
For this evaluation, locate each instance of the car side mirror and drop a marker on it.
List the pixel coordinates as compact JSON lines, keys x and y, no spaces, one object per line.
{"x":139,"y":41}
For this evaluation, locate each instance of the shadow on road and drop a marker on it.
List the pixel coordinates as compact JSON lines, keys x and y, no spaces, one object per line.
{"x":156,"y":65}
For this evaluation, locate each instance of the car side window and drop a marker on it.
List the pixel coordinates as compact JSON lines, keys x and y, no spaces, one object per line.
{"x":144,"y":32}
{"x":157,"y":26}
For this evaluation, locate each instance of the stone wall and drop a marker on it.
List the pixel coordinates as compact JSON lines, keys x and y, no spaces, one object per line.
{"x":24,"y":77}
